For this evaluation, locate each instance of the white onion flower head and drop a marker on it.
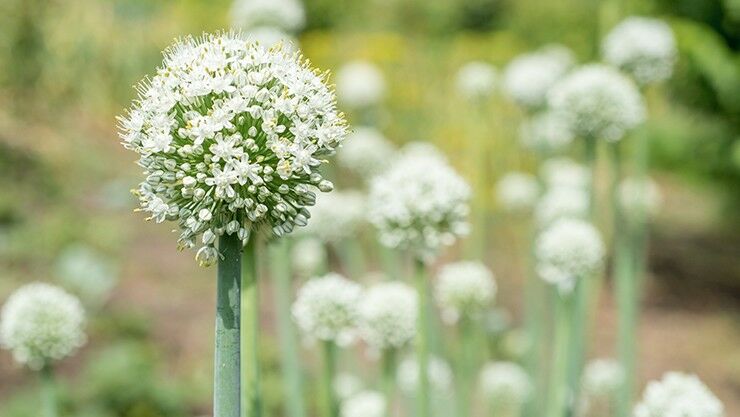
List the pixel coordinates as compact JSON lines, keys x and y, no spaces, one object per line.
{"x":388,"y":313}
{"x":270,"y":36}
{"x":505,"y":383}
{"x":678,"y":395}
{"x":517,"y":191}
{"x":439,"y":371}
{"x":419,"y":203}
{"x":464,"y":290}
{"x":366,"y":152}
{"x":546,"y":132}
{"x":230,"y":136}
{"x":346,"y":385}
{"x":562,"y":202}
{"x":87,"y":274}
{"x":568,"y":250}
{"x":364,"y":404}
{"x":598,"y":102}
{"x":529,"y":77}
{"x":476,"y":80}
{"x":308,"y":255}
{"x":640,"y":196}
{"x":326,"y":308}
{"x":420,"y":149}
{"x":643,"y":47}
{"x":287,"y":15}
{"x":564,"y":172}
{"x":360,"y":84}
{"x":603,"y":377}
{"x":337,"y":215}
{"x":41,"y":323}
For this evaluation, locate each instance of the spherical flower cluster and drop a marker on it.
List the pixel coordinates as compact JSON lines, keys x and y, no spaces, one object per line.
{"x":366,"y":153}
{"x":603,"y":377}
{"x":517,"y":191}
{"x":546,"y":132}
{"x":529,"y":77}
{"x":337,"y":215}
{"x":41,"y":323}
{"x":597,"y":101}
{"x":642,"y":47}
{"x":568,"y":250}
{"x":270,"y":36}
{"x":505,"y":383}
{"x":231,"y":136}
{"x":346,"y":385}
{"x":476,"y":80}
{"x":364,"y":404}
{"x":87,"y":274}
{"x":564,"y":172}
{"x":360,"y":84}
{"x":464,"y":290}
{"x":308,"y":256}
{"x":287,"y":15}
{"x":388,"y":314}
{"x":562,"y":202}
{"x":420,"y":203}
{"x":439,"y":374}
{"x":678,"y":395}
{"x":640,"y":197}
{"x":326,"y":308}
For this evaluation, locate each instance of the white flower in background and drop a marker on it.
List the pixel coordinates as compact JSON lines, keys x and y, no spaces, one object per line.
{"x":598,"y":102}
{"x":360,"y":84}
{"x":640,"y":197}
{"x":40,"y":323}
{"x":388,"y":312}
{"x":678,"y":395}
{"x":308,"y":256}
{"x":603,"y":377}
{"x":337,"y":215}
{"x":564,"y":172}
{"x":87,"y":274}
{"x":517,"y":191}
{"x":270,"y":36}
{"x":464,"y":290}
{"x":420,"y":203}
{"x":287,"y":15}
{"x":366,"y":152}
{"x":643,"y":47}
{"x":231,"y":136}
{"x":346,"y":385}
{"x":326,"y":308}
{"x":529,"y":77}
{"x":364,"y":404}
{"x":440,"y":375}
{"x":562,"y":202}
{"x":476,"y":80}
{"x":546,"y":132}
{"x":420,"y":149}
{"x":505,"y":384}
{"x":568,"y":250}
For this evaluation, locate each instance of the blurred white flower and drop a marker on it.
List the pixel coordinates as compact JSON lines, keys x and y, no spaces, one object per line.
{"x":642,"y":47}
{"x":270,"y":36}
{"x":326,"y":308}
{"x":529,"y":77}
{"x":598,"y":102}
{"x":640,"y":197}
{"x":476,"y":80}
{"x":337,"y":215}
{"x":420,"y":149}
{"x":41,"y":323}
{"x":568,"y":250}
{"x":517,"y":191}
{"x":388,"y":314}
{"x":308,"y":256}
{"x":346,"y":385}
{"x":464,"y":290}
{"x":562,"y":202}
{"x":564,"y":172}
{"x":360,"y":84}
{"x":440,"y":375}
{"x":86,"y":274}
{"x":546,"y":132}
{"x":603,"y":377}
{"x":678,"y":395}
{"x":505,"y":384}
{"x":366,"y":152}
{"x":364,"y":404}
{"x":287,"y":15}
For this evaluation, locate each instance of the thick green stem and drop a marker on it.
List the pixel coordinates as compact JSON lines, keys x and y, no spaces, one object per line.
{"x":250,"y":333}
{"x":390,"y":261}
{"x":49,"y":392}
{"x":422,"y":340}
{"x":291,"y":365}
{"x":466,"y":365}
{"x":328,"y":405}
{"x":560,"y":390}
{"x":352,"y":257}
{"x":226,"y":382}
{"x":389,"y":379}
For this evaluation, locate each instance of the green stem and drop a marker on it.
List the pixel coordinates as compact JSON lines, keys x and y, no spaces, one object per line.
{"x":559,"y":390}
{"x":353,"y":258}
{"x":250,"y":333}
{"x":292,"y":379}
{"x":390,"y":261}
{"x":328,"y":404}
{"x":466,"y":363}
{"x":49,"y":392}
{"x":226,"y":383}
{"x":389,"y":379}
{"x":422,"y":341}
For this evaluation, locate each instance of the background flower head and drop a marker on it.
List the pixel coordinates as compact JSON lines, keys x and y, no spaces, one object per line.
{"x":505,"y":384}
{"x":366,"y":152}
{"x":678,"y":394}
{"x":464,"y":290}
{"x":388,"y":314}
{"x":287,"y":15}
{"x":528,"y":78}
{"x":517,"y":191}
{"x":476,"y":80}
{"x":360,"y":84}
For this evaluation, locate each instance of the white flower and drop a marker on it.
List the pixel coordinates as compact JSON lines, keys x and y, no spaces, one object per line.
{"x":568,"y":250}
{"x":598,"y":102}
{"x":364,"y":404}
{"x":564,"y":172}
{"x":464,"y":290}
{"x":287,"y":15}
{"x":366,"y":152}
{"x":346,"y":385}
{"x":439,"y":374}
{"x":505,"y":383}
{"x":326,"y":308}
{"x":476,"y":80}
{"x":603,"y":377}
{"x":562,"y":202}
{"x":41,"y":323}
{"x":643,"y":47}
{"x":420,"y":203}
{"x":308,"y":256}
{"x":678,"y":395}
{"x":230,"y":136}
{"x":529,"y":77}
{"x":87,"y":274}
{"x":546,"y":132}
{"x":517,"y":191}
{"x":640,"y":197}
{"x":388,"y":314}
{"x":337,"y":215}
{"x":270,"y":36}
{"x":360,"y":84}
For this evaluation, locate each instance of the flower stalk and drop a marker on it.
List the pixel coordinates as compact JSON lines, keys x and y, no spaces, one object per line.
{"x":226,"y":383}
{"x":422,"y":341}
{"x":49,"y":392}
{"x":250,"y":332}
{"x":560,"y":388}
{"x":389,"y":379}
{"x":328,"y":404}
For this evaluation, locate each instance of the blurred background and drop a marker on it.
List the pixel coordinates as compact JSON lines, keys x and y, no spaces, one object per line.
{"x":67,"y":68}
